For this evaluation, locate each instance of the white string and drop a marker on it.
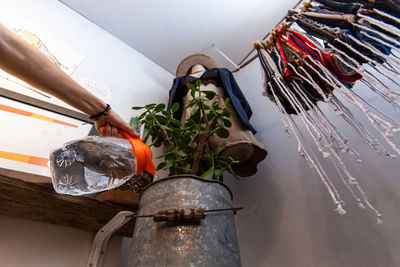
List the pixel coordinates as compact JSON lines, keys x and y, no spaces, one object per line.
{"x":386,"y":15}
{"x":384,"y":26}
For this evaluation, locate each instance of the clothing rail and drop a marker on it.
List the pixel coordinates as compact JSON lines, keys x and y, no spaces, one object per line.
{"x":243,"y":63}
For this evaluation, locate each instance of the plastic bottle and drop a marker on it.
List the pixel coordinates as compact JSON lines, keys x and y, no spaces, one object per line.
{"x":92,"y":164}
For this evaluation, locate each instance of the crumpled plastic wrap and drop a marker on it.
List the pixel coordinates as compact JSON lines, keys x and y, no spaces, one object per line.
{"x":92,"y":164}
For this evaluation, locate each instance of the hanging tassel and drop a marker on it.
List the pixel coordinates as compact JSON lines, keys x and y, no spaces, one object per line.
{"x":384,"y":14}
{"x":382,"y":25}
{"x":326,"y":137}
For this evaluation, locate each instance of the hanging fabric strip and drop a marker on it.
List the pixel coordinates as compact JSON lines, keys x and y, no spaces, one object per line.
{"x":299,"y":72}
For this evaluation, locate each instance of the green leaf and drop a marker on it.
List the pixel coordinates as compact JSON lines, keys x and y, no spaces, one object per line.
{"x":161,"y":166}
{"x":194,"y":109}
{"x":148,"y":106}
{"x":209,"y":174}
{"x":222,"y":132}
{"x":232,"y":172}
{"x":227,"y":100}
{"x":142,"y":116}
{"x":191,"y":86}
{"x":137,"y":108}
{"x":161,"y":119}
{"x":159,"y":107}
{"x":196,"y":117}
{"x":218,"y":172}
{"x":166,"y":127}
{"x":210,"y":116}
{"x":169,"y":165}
{"x":198,"y":82}
{"x":181,"y":154}
{"x":227,"y":123}
{"x":226,"y":113}
{"x":191,"y":104}
{"x":134,"y":123}
{"x":176,"y":122}
{"x":174,"y":107}
{"x":209,"y":94}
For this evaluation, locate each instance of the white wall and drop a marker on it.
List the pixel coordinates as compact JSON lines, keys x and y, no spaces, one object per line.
{"x":170,"y":25}
{"x":289,"y":218}
{"x":134,"y":79}
{"x":29,"y":243}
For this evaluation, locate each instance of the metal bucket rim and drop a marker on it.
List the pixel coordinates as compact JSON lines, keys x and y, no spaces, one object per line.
{"x":179,"y":176}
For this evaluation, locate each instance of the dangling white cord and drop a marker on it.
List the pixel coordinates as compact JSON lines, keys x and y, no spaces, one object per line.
{"x":332,"y":134}
{"x":386,"y":41}
{"x":357,"y":67}
{"x":375,"y":51}
{"x":372,"y":119}
{"x":379,"y":12}
{"x":315,"y":164}
{"x":298,"y":107}
{"x":359,"y":127}
{"x":377,"y":110}
{"x":384,"y":26}
{"x":303,"y":115}
{"x":380,"y":34}
{"x":388,"y":60}
{"x":355,"y":102}
{"x":375,"y":120}
{"x":354,"y":51}
{"x":324,"y":177}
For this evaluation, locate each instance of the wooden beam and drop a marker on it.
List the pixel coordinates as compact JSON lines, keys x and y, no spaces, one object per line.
{"x":41,"y":203}
{"x":44,"y":105}
{"x":33,"y":178}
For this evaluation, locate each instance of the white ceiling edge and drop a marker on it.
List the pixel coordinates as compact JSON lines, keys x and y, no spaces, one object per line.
{"x":168,"y":31}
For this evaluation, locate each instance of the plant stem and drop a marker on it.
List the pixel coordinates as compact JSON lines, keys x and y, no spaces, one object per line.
{"x":200,"y":148}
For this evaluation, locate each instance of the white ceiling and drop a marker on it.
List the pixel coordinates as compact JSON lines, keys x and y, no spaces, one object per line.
{"x":167,"y":31}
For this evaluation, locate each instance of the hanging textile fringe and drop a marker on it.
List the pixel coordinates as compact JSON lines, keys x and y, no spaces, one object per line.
{"x":298,"y":72}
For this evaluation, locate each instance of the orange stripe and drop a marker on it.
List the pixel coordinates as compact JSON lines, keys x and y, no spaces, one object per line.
{"x":33,"y":115}
{"x":15,"y":110}
{"x":24,"y":158}
{"x":41,"y":117}
{"x":38,"y":161}
{"x":65,"y":123}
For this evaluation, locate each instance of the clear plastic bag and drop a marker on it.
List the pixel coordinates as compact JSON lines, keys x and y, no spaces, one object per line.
{"x":92,"y":164}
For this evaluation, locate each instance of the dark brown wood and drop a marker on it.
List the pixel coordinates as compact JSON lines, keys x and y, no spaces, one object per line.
{"x":41,"y":203}
{"x":44,"y":105}
{"x":27,"y":177}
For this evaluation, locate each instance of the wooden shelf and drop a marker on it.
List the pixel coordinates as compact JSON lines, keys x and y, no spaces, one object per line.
{"x":41,"y":203}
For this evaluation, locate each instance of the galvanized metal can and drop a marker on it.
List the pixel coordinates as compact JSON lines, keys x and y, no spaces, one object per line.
{"x":210,"y":242}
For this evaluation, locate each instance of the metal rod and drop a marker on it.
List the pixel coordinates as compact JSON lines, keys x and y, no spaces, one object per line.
{"x":205,"y":211}
{"x":215,"y":210}
{"x":244,"y":63}
{"x":225,"y":56}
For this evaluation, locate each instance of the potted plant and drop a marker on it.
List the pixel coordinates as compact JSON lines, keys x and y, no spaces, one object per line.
{"x":195,"y":181}
{"x":186,"y":143}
